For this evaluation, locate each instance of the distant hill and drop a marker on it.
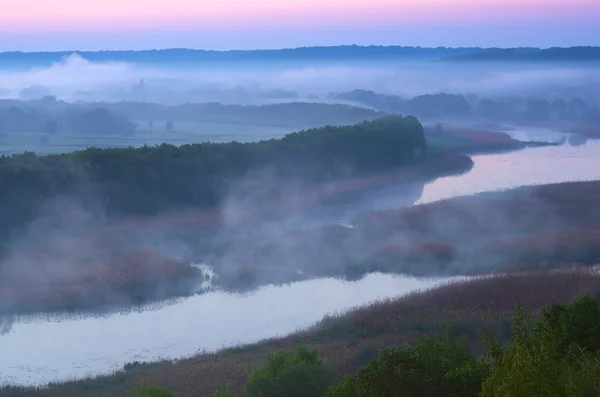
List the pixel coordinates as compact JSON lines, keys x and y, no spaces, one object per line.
{"x":335,"y":53}
{"x":569,"y":54}
{"x":344,"y":53}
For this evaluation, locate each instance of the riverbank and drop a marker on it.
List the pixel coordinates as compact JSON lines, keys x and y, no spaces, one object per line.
{"x":349,"y":340}
{"x":118,"y":280}
{"x":540,"y":226}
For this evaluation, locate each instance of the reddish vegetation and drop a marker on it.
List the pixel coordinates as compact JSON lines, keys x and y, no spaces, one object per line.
{"x":348,"y":341}
{"x":543,"y":225}
{"x":99,"y":276}
{"x":474,"y":140}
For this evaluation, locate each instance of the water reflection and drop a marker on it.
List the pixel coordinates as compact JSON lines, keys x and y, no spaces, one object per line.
{"x":40,"y":349}
{"x":6,"y":323}
{"x":56,"y":347}
{"x":531,"y":166}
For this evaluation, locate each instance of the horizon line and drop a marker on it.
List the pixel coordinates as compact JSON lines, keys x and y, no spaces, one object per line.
{"x":295,"y":48}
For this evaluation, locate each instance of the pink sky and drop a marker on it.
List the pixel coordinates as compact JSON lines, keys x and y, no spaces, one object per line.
{"x":36,"y":15}
{"x":34,"y":18}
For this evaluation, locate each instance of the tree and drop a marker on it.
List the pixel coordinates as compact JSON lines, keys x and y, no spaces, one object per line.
{"x":435,"y":367}
{"x":291,"y":374}
{"x":50,"y":127}
{"x":558,"y":356}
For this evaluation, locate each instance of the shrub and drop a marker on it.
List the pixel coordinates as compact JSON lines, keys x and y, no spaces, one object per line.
{"x":558,"y":356}
{"x":150,"y":391}
{"x":291,"y":374}
{"x":434,"y":367}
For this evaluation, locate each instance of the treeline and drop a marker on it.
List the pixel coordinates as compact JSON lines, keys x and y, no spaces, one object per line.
{"x":517,"y":109}
{"x":557,"y":355}
{"x":340,"y":53}
{"x":294,"y":114}
{"x":49,"y":115}
{"x":151,"y":180}
{"x":95,"y":121}
{"x":562,"y":54}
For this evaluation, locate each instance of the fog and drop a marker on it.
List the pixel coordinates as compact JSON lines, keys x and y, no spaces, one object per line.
{"x":267,"y":229}
{"x":75,"y":78}
{"x":251,"y":240}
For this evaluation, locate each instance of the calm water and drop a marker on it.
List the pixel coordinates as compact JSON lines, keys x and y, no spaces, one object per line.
{"x":49,"y":349}
{"x":531,"y":166}
{"x":62,"y":347}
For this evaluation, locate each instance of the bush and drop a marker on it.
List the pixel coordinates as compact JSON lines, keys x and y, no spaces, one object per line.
{"x":291,"y":374}
{"x":558,"y":356}
{"x":150,"y":391}
{"x":434,"y":367}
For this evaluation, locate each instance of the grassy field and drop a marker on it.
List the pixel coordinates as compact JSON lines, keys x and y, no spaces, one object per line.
{"x":349,"y":340}
{"x":450,"y":138}
{"x":183,"y":133}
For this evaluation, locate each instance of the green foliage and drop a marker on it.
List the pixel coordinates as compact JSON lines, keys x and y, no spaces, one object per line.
{"x":150,"y":391}
{"x":224,"y":391}
{"x":151,"y":180}
{"x":557,"y":356}
{"x":297,"y":374}
{"x":434,"y":367}
{"x":291,"y":374}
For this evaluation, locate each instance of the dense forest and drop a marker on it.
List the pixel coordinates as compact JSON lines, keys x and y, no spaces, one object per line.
{"x":150,"y":180}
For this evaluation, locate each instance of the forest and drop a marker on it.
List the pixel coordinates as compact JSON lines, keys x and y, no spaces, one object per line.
{"x":151,"y":180}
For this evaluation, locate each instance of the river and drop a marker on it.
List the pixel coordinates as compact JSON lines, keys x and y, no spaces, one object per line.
{"x":37,"y":350}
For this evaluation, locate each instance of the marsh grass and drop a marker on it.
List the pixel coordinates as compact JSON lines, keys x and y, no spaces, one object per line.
{"x":349,"y":339}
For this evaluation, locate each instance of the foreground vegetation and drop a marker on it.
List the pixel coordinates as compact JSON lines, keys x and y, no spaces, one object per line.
{"x":348,"y":342}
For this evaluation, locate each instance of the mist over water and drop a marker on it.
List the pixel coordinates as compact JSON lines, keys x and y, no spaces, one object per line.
{"x":44,"y":348}
{"x":48,"y":348}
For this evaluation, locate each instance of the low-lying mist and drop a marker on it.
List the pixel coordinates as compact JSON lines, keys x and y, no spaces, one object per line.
{"x":75,"y":78}
{"x":252,"y":240}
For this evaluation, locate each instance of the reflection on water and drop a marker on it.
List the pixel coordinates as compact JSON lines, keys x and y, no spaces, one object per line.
{"x":42,"y":349}
{"x":6,"y":323}
{"x":531,"y":166}
{"x":49,"y":348}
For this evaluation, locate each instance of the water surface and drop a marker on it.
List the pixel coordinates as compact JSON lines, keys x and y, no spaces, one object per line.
{"x":43,"y":349}
{"x":50,"y":348}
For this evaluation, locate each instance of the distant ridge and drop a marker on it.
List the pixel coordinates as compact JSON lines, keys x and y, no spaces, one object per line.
{"x":332,"y":53}
{"x":565,"y":54}
{"x":344,"y":53}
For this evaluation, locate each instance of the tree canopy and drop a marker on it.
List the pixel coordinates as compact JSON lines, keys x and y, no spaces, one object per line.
{"x":150,"y":180}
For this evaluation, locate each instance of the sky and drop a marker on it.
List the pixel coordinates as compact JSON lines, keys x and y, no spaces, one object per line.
{"x":50,"y":25}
